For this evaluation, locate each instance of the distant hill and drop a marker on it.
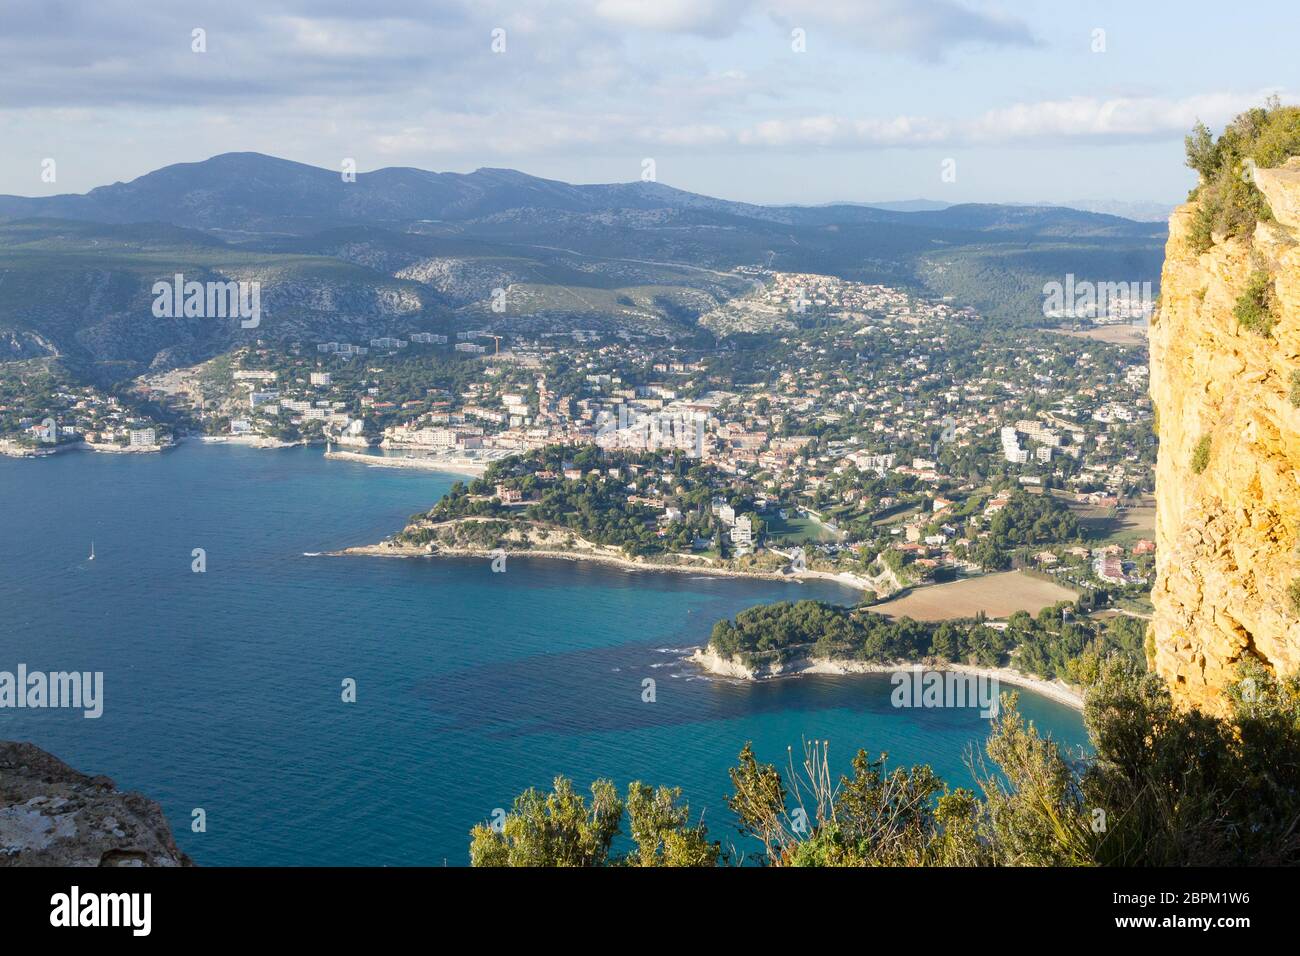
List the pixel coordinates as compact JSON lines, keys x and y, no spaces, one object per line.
{"x":899,"y":205}
{"x":1139,"y":210}
{"x":251,"y":193}
{"x":404,"y":249}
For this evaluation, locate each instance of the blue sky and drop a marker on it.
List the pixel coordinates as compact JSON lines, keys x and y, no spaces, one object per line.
{"x":714,"y":91}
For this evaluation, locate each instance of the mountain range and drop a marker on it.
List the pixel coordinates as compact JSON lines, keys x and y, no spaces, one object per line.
{"x":398,"y":249}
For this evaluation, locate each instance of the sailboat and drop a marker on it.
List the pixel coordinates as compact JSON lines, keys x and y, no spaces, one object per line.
{"x":92,"y":550}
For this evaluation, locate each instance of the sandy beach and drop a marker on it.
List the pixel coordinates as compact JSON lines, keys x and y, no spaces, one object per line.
{"x":451,"y":466}
{"x":720,"y":667}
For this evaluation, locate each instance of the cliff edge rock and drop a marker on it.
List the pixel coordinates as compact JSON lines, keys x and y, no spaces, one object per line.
{"x":51,"y":815}
{"x":1228,"y":472}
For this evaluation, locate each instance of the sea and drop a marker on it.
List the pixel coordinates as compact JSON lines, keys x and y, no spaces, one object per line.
{"x":310,"y":709}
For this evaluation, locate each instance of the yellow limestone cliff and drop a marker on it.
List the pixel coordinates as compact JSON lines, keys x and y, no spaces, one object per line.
{"x":1228,"y":472}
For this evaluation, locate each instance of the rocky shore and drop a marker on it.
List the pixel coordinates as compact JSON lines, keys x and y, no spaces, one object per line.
{"x":250,"y":441}
{"x":14,"y":450}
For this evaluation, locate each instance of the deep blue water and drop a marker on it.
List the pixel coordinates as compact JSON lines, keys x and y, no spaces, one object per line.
{"x":222,"y":689}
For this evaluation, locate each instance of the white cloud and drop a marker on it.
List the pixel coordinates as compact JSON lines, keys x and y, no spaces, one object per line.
{"x":1048,"y":121}
{"x":923,"y":28}
{"x":710,"y":18}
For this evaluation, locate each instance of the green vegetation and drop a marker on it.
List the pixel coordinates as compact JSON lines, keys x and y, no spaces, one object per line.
{"x":1027,"y":520}
{"x":1005,"y":282}
{"x":1293,"y":597}
{"x":558,"y":829}
{"x":597,"y":506}
{"x":1229,"y":202}
{"x":1254,"y":309}
{"x":1295,"y":389}
{"x":1058,"y":643}
{"x":1201,"y":454}
{"x":1162,"y":787}
{"x":1033,"y":519}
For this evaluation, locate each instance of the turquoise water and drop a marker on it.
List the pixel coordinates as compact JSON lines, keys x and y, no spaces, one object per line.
{"x":222,"y":689}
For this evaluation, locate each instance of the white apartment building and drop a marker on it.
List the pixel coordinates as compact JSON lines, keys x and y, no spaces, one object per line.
{"x":742,"y":534}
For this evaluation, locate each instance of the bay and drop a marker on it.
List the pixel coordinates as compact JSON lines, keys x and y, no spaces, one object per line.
{"x":223,"y":688}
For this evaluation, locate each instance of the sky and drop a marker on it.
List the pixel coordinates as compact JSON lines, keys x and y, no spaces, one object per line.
{"x":768,"y":101}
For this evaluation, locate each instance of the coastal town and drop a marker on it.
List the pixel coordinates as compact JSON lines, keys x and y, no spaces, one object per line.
{"x":829,"y":426}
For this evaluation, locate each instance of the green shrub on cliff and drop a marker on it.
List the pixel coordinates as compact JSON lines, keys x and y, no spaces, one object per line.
{"x":1254,"y":309}
{"x":1201,"y":455}
{"x":1295,"y":389}
{"x":1293,"y":597}
{"x":1229,"y":202}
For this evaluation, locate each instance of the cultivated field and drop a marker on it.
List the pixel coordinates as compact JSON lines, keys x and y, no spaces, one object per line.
{"x":997,"y":595}
{"x":1130,"y":524}
{"x":1114,"y":334}
{"x":798,"y":531}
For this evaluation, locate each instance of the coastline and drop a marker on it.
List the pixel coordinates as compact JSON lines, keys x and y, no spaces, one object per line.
{"x":249,"y":441}
{"x":452,"y":466}
{"x":108,"y":449}
{"x":471,"y":469}
{"x":386,"y":550}
{"x":10,"y":450}
{"x":718,"y":666}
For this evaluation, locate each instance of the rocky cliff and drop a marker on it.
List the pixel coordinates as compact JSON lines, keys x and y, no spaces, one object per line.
{"x":51,"y":815}
{"x":1226,"y":389}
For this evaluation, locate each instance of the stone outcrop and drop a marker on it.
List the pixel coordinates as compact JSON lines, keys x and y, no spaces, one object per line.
{"x":1228,"y":473}
{"x":51,"y":815}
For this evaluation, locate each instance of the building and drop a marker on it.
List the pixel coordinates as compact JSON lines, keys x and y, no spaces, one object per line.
{"x":1011,"y":450}
{"x":1109,"y":568}
{"x":509,"y":496}
{"x":742,"y":535}
{"x":320,"y":378}
{"x":143,"y":438}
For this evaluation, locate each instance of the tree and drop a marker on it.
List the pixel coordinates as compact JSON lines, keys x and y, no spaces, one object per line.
{"x":554,"y":829}
{"x":947,"y":642}
{"x":660,"y":831}
{"x":557,"y":829}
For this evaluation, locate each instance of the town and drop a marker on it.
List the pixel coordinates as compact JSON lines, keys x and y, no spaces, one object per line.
{"x":829,"y":425}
